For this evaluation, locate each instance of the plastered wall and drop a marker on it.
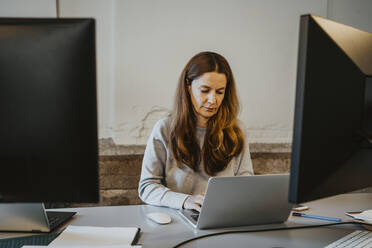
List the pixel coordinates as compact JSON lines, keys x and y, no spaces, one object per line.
{"x":153,"y":40}
{"x":142,"y":47}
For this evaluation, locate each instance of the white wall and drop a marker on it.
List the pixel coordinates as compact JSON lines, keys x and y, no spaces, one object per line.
{"x":143,"y":45}
{"x":28,"y":8}
{"x":155,"y":39}
{"x":104,"y":13}
{"x":356,"y":13}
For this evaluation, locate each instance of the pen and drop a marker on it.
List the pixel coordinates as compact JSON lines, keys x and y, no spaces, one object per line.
{"x":316,"y":217}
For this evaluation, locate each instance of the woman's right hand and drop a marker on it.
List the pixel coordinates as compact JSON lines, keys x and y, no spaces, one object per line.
{"x":194,"y":202}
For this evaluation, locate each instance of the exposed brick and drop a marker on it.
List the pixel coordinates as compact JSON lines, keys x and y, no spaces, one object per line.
{"x":284,"y":155}
{"x":120,"y":197}
{"x":119,"y":182}
{"x":271,"y":166}
{"x":120,"y":174}
{"x":122,"y":157}
{"x":121,"y":166}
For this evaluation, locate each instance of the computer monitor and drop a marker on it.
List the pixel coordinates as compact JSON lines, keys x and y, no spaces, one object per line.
{"x":48,"y":109}
{"x":331,"y":150}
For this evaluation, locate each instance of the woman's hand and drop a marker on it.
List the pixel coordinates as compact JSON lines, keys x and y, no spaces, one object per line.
{"x":194,"y":202}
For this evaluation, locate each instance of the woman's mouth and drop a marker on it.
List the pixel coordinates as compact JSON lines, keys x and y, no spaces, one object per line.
{"x":210,"y":109}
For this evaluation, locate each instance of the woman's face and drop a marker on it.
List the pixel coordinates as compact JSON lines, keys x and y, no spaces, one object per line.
{"x":207,"y":93}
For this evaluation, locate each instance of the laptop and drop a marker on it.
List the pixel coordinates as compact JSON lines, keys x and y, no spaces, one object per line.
{"x":242,"y":201}
{"x":30,"y":217}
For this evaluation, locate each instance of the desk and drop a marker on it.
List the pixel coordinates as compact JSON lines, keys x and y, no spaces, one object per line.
{"x":154,"y":235}
{"x":162,"y":236}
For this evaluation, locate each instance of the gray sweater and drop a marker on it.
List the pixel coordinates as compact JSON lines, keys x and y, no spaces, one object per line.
{"x":163,"y":183}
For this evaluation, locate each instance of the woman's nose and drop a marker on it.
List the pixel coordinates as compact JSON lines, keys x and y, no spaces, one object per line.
{"x":212,"y":98}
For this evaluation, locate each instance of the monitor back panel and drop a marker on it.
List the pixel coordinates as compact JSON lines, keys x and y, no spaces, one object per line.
{"x":49,"y":141}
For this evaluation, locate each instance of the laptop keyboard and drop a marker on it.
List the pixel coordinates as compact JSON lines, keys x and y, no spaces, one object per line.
{"x":357,"y":239}
{"x":195,"y":216}
{"x":42,"y":239}
{"x":55,"y":219}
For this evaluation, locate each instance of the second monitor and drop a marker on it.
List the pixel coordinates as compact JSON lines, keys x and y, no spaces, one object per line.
{"x":48,"y":109}
{"x":331,"y":151}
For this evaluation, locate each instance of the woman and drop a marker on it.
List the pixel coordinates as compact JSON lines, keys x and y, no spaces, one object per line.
{"x":201,"y":138}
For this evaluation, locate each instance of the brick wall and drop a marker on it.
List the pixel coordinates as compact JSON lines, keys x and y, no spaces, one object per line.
{"x":119,"y":174}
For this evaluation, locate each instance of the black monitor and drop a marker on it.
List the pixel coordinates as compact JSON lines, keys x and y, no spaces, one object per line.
{"x":48,"y":109}
{"x":332,"y":135}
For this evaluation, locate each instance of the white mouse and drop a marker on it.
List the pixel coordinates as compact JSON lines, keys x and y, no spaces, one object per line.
{"x":160,"y":218}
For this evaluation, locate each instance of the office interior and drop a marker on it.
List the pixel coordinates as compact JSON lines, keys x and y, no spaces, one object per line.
{"x":141,"y":48}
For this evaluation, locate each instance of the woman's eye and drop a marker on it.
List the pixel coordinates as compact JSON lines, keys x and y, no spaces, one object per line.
{"x":204,"y":91}
{"x":219,"y":92}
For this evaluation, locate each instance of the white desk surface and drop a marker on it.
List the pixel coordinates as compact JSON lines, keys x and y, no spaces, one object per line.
{"x":162,"y":236}
{"x":154,"y":235}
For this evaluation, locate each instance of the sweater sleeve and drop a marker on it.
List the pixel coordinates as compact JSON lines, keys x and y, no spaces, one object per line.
{"x":245,"y":167}
{"x":151,"y":188}
{"x":244,"y":162}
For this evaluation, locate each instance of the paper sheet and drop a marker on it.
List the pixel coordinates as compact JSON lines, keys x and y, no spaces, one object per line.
{"x":364,"y":216}
{"x":95,"y":236}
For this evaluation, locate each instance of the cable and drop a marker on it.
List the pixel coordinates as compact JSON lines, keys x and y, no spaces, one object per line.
{"x":264,"y":230}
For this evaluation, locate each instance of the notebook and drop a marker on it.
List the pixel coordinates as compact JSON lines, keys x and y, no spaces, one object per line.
{"x":242,"y":201}
{"x":92,"y":236}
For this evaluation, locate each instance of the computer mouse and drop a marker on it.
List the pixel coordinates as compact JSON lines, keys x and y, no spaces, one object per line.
{"x":160,"y":218}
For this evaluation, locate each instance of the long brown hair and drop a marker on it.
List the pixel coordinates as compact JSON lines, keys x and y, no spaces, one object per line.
{"x":223,"y":139}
